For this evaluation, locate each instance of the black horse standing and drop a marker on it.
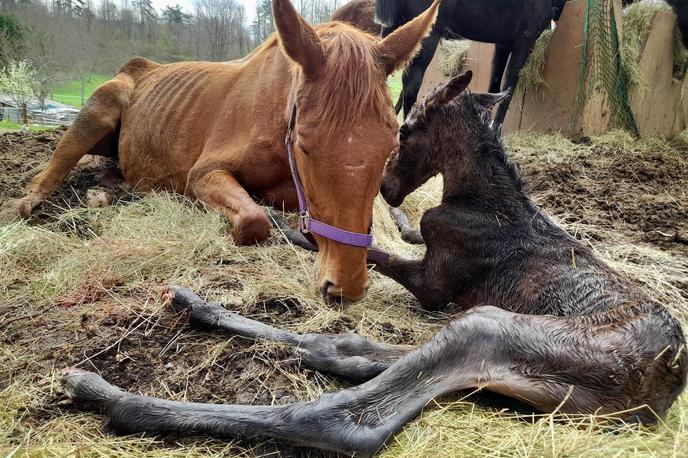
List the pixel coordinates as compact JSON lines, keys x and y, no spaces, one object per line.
{"x":512,"y":25}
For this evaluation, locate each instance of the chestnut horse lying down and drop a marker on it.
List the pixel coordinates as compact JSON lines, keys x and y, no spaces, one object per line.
{"x":562,"y":331}
{"x":216,"y":132}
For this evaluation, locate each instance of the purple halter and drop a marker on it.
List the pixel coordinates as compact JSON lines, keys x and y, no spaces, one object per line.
{"x":306,"y":223}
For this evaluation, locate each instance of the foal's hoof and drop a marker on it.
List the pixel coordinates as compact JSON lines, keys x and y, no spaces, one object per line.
{"x":181,"y":298}
{"x":88,"y":391}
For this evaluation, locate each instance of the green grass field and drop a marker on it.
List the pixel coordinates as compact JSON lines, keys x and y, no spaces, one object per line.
{"x":69,"y":92}
{"x":7,"y":126}
{"x":394,"y":83}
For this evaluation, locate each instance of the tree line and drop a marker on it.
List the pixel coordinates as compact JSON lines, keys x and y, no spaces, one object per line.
{"x":72,"y":39}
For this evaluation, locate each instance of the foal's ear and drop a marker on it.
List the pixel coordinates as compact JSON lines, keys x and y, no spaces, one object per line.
{"x":298,"y":38}
{"x":449,"y":90}
{"x":487,"y":100}
{"x":400,"y":46}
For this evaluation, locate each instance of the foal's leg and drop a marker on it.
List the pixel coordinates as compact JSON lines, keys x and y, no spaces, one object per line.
{"x":348,"y":355}
{"x":219,"y":189}
{"x":96,"y":120}
{"x":408,"y":234}
{"x":548,"y":362}
{"x":357,"y":420}
{"x":428,"y":279}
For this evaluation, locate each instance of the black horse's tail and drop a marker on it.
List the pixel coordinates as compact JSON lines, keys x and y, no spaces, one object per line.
{"x":386,"y":12}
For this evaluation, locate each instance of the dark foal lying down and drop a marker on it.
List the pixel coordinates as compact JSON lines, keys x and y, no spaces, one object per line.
{"x":563,"y":332}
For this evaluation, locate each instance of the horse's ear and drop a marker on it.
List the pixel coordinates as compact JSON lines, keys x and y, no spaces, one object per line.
{"x":298,"y":38}
{"x":400,"y":46}
{"x":488,"y":100}
{"x":449,"y":90}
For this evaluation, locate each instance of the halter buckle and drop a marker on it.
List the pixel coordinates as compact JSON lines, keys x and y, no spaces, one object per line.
{"x":304,"y":221}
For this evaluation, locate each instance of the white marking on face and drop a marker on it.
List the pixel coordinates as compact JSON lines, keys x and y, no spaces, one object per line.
{"x":349,"y":140}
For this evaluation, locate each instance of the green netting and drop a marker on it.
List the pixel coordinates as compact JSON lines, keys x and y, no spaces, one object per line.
{"x":601,"y":68}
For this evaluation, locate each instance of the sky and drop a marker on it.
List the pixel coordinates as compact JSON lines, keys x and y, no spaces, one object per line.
{"x":187,"y":5}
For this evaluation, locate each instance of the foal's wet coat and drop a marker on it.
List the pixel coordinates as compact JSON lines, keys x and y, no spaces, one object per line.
{"x":546,"y":322}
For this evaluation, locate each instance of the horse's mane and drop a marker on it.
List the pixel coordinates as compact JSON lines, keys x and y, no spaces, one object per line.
{"x":355,"y":80}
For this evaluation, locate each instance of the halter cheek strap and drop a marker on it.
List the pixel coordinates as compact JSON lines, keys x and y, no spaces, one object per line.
{"x":306,"y":223}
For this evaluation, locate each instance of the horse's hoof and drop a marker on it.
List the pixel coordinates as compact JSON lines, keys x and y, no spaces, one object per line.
{"x":88,"y":391}
{"x":15,"y":209}
{"x":250,"y":229}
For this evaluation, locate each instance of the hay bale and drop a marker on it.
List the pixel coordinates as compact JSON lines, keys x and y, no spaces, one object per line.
{"x":638,"y":21}
{"x":453,"y":55}
{"x":531,"y":76}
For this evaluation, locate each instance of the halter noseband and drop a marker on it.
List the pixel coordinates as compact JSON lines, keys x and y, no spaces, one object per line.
{"x":306,"y":223}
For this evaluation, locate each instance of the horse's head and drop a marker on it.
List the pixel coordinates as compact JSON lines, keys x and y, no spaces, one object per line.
{"x":344,"y":130}
{"x":438,"y":135}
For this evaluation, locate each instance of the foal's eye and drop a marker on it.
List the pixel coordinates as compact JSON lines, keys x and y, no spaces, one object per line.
{"x":403,"y":133}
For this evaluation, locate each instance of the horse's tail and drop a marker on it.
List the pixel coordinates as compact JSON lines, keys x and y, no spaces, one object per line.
{"x":387,"y":12}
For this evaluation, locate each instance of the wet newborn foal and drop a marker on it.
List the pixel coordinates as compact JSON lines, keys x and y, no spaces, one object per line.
{"x":547,"y":322}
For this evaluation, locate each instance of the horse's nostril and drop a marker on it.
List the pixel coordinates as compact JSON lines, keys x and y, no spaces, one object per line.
{"x":324,"y":289}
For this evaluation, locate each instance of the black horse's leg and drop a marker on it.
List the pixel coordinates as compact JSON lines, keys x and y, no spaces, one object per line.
{"x":400,"y":101}
{"x":519,"y":56}
{"x":501,"y":56}
{"x":412,"y":77}
{"x":348,"y":355}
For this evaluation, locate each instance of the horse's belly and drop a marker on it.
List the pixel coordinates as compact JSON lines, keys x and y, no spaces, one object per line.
{"x":148,"y":161}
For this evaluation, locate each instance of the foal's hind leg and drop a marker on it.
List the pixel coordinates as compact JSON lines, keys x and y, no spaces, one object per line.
{"x":96,"y":120}
{"x":348,"y":355}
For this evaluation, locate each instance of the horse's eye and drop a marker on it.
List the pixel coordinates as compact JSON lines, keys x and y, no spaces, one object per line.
{"x":303,"y":149}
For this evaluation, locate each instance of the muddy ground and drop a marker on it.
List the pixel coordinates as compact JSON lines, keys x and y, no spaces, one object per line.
{"x":642,"y":196}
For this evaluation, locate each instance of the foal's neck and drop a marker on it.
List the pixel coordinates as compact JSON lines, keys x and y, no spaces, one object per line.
{"x":484,"y":181}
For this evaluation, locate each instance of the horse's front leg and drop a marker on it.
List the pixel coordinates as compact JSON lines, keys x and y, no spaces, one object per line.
{"x":412,"y":78}
{"x":218,"y":188}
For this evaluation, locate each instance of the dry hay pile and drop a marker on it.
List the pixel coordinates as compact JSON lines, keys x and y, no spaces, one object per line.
{"x":454,"y":54}
{"x":637,"y":25}
{"x":82,"y":287}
